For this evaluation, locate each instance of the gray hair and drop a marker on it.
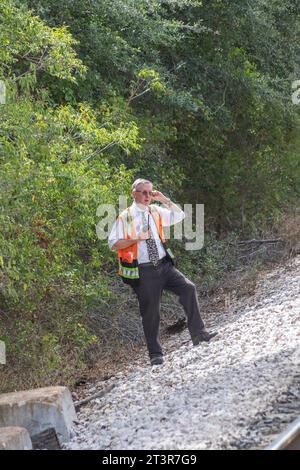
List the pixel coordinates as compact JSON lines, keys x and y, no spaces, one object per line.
{"x":139,"y":181}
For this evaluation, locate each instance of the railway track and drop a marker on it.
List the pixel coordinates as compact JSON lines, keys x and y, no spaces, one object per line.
{"x":288,"y":439}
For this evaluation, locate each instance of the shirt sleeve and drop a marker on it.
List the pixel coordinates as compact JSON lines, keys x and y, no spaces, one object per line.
{"x":117,"y":233}
{"x":169,"y":216}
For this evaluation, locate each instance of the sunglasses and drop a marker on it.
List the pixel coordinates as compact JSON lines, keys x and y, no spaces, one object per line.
{"x":145,"y":193}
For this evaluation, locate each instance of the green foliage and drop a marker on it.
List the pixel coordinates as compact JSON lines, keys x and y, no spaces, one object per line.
{"x":54,"y":174}
{"x":194,"y":95}
{"x":29,"y":46}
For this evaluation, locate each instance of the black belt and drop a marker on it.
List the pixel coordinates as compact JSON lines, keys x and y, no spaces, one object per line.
{"x":162,"y":260}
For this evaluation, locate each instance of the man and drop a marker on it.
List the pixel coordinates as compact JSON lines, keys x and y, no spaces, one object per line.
{"x":146,"y":263}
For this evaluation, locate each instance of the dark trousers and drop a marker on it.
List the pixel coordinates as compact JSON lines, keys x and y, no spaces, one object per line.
{"x":149,"y":291}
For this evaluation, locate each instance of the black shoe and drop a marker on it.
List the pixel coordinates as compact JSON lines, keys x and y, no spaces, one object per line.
{"x":156,"y":360}
{"x":203,"y":336}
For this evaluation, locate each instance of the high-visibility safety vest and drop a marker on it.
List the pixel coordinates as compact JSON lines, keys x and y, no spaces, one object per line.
{"x":128,"y":257}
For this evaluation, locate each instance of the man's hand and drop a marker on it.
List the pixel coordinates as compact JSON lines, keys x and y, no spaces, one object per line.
{"x":125,"y":243}
{"x":158,"y":196}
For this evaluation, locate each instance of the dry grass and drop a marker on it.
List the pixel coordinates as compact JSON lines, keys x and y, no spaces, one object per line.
{"x":289,"y":231}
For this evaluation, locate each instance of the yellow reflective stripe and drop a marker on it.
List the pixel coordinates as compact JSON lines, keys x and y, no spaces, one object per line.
{"x":170,"y":252}
{"x":155,"y":210}
{"x":158,"y":216}
{"x":132,"y":273}
{"x":121,"y":216}
{"x":129,"y":215}
{"x":158,"y":222}
{"x":124,"y":217}
{"x":130,"y":269}
{"x":128,"y":222}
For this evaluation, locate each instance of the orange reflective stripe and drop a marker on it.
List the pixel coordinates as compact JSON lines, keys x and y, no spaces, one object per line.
{"x":158,"y":222}
{"x":130,"y":253}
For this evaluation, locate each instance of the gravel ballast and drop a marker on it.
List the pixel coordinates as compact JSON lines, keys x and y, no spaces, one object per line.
{"x":215,"y":395}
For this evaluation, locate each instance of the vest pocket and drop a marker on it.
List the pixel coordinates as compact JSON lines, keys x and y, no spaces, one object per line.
{"x":129,"y":272}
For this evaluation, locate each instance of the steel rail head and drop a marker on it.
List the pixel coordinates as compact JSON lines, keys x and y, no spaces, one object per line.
{"x":288,"y":439}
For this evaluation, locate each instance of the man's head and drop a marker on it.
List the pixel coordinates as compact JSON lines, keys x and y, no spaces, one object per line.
{"x":142,"y":191}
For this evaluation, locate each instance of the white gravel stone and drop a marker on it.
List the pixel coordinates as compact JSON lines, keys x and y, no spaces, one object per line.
{"x":204,"y":397}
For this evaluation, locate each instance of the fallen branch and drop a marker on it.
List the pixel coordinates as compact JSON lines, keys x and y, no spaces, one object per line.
{"x":79,"y":403}
{"x":275,"y":240}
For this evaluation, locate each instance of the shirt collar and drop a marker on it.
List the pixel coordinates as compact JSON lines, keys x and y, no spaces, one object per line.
{"x":136,"y":208}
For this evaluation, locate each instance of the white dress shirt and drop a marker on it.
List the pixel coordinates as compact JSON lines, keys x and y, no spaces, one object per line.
{"x":169,"y":217}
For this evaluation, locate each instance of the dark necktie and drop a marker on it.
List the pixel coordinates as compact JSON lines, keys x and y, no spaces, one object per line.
{"x":151,"y":244}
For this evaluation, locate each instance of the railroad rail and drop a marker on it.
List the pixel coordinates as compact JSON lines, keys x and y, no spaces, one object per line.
{"x":288,"y":439}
